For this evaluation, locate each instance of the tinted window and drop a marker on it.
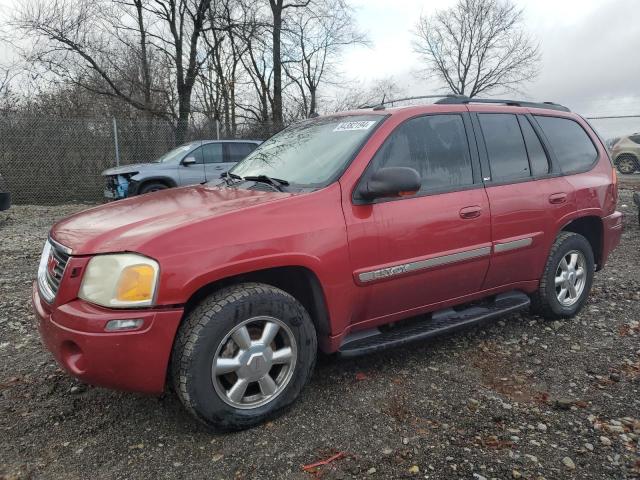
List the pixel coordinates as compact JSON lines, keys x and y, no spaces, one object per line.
{"x":569,"y":142}
{"x":538,"y":160}
{"x":212,"y":153}
{"x":435,"y":146}
{"x":237,"y":151}
{"x":505,"y":146}
{"x":635,"y":138}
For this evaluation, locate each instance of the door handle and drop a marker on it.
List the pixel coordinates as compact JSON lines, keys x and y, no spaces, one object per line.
{"x":473,"y":211}
{"x":557,"y":198}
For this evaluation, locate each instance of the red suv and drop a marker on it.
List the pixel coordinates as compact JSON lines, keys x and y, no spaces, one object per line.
{"x":346,"y":233}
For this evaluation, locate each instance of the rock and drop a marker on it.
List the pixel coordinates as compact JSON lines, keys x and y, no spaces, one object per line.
{"x":541,"y":427}
{"x":569,"y":463}
{"x":615,"y":377}
{"x":405,"y":441}
{"x":387,"y":451}
{"x":605,"y":441}
{"x":533,"y":458}
{"x":588,"y":446}
{"x":563,"y":404}
{"x":414,"y":470}
{"x":371,"y":471}
{"x":477,"y":476}
{"x":516,"y":474}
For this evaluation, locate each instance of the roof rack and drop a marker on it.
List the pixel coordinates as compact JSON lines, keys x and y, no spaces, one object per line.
{"x":380,"y":106}
{"x":461,"y":99}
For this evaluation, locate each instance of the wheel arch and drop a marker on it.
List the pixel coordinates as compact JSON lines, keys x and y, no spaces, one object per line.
{"x":299,"y":281}
{"x":168,"y":181}
{"x":592,"y":229}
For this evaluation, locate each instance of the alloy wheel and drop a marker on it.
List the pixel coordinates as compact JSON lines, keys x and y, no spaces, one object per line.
{"x":254,"y":362}
{"x":570,"y":278}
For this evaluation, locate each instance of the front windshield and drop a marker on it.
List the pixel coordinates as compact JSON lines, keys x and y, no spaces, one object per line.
{"x":175,"y":154}
{"x":310,"y":153}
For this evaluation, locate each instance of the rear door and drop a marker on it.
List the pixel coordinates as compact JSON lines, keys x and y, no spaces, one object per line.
{"x":526,"y":194}
{"x":430,"y":247}
{"x":236,"y":151}
{"x":214,"y":161}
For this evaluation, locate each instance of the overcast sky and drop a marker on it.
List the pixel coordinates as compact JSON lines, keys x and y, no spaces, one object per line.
{"x":590,"y":50}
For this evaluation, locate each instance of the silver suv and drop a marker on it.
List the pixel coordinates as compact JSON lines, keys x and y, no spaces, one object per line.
{"x":188,"y":164}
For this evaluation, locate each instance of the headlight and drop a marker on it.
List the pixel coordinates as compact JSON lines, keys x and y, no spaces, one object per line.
{"x":120,"y":280}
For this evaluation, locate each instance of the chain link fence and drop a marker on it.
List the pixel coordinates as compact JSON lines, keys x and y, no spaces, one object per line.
{"x":55,"y":160}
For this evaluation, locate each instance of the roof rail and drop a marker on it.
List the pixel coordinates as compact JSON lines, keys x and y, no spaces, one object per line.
{"x":380,"y":106}
{"x":461,"y":99}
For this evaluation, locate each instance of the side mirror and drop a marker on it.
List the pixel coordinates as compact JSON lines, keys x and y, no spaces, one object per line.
{"x":188,"y":161}
{"x":391,"y":182}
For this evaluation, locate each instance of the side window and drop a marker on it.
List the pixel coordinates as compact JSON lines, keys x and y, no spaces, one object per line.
{"x":197,"y":154}
{"x":635,"y":138}
{"x":537,"y":157}
{"x":505,"y":146}
{"x":237,"y":151}
{"x":212,"y":153}
{"x":571,"y":144}
{"x":435,"y":146}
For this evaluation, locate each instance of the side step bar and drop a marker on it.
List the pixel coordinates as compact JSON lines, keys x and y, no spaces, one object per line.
{"x":438,"y":323}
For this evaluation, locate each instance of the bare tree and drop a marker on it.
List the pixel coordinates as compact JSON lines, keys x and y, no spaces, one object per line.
{"x":316,"y":37}
{"x":360,"y":94}
{"x":278,"y":8}
{"x":477,"y":46}
{"x":92,"y":44}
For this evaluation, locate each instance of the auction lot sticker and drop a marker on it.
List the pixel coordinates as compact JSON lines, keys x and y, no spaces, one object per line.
{"x":350,"y":126}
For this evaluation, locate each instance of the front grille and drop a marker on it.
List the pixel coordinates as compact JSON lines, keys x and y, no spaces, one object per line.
{"x":52,"y":270}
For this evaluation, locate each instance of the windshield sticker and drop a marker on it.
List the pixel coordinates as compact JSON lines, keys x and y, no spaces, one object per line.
{"x":350,"y":126}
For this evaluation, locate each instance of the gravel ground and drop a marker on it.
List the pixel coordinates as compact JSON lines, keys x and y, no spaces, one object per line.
{"x":518,"y":398}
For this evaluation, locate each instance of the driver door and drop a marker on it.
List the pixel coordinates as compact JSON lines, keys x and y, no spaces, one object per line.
{"x":409,"y":253}
{"x":193,"y":173}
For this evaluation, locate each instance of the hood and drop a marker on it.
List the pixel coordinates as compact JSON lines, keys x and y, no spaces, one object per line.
{"x":127,"y":225}
{"x":134,"y":167}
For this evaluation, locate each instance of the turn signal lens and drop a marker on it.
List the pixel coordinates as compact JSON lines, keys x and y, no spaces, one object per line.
{"x":136,"y":283}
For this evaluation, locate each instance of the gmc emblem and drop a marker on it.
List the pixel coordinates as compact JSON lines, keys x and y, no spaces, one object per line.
{"x":52,"y":263}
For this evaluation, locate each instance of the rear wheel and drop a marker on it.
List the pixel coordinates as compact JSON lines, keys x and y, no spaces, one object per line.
{"x":626,"y":164}
{"x":152,"y":187}
{"x":567,"y":277}
{"x":243,"y":355}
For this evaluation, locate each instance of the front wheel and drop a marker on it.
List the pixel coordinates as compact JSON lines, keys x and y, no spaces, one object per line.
{"x":567,"y":277}
{"x":243,"y":355}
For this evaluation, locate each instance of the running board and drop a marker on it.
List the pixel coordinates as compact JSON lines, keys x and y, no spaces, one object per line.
{"x":438,"y":323}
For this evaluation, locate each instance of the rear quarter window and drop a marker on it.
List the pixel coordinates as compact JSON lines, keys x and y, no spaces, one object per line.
{"x":573,"y":148}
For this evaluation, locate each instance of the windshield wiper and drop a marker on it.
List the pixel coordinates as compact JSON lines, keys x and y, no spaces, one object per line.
{"x":228,"y":176}
{"x":277,"y":183}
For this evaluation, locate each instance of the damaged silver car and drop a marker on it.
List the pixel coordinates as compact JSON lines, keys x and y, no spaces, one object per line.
{"x":189,"y":164}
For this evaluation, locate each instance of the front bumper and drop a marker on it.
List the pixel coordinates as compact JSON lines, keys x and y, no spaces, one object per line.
{"x":612,"y":232}
{"x":134,"y":360}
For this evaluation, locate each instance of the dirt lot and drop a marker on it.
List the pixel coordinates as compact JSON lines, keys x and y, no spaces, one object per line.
{"x":519,"y":398}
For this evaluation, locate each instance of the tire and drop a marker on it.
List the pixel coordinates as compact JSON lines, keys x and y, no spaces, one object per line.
{"x":626,"y":164}
{"x":545,"y":300}
{"x":205,"y":335}
{"x":152,"y":187}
